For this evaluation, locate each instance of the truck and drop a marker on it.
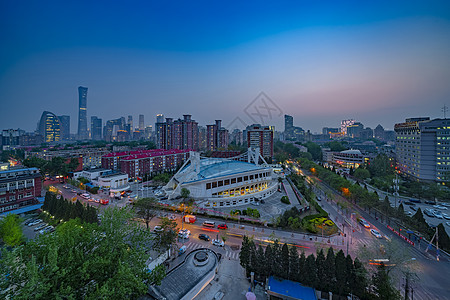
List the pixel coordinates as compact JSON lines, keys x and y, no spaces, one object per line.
{"x":104,"y":201}
{"x":190,"y":219}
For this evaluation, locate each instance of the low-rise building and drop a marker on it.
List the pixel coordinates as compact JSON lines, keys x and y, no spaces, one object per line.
{"x":19,"y":189}
{"x":91,"y":174}
{"x":113,"y":180}
{"x":145,"y":162}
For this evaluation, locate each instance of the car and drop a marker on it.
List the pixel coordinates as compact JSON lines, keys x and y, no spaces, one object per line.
{"x":447,"y":223}
{"x":46,"y":229}
{"x":157,"y":229}
{"x":172,"y":217}
{"x":409,"y":213}
{"x":429,"y":213}
{"x":415,"y":200}
{"x":218,"y":243}
{"x":35,"y":222}
{"x":364,"y":223}
{"x":255,"y":203}
{"x":204,"y":237}
{"x":222,"y":226}
{"x":184,"y":233}
{"x":445,"y":204}
{"x":376,"y":233}
{"x":438,"y":215}
{"x":29,"y":221}
{"x":42,"y":226}
{"x":430,"y":202}
{"x":413,"y":207}
{"x":447,"y":217}
{"x":408,"y":203}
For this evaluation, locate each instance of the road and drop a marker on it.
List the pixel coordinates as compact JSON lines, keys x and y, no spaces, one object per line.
{"x":432,"y":281}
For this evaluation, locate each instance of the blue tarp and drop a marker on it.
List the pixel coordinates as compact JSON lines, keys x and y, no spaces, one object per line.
{"x":291,"y":289}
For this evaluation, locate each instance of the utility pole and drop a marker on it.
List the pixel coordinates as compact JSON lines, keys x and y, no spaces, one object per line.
{"x":444,"y":110}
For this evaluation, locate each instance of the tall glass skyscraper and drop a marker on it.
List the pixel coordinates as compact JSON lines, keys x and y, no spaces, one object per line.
{"x":82,"y":113}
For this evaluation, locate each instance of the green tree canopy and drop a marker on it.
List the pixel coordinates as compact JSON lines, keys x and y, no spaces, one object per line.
{"x":78,"y":261}
{"x":11,"y":230}
{"x":146,"y":208}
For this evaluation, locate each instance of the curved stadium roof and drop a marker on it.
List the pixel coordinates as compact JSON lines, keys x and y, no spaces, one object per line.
{"x":213,"y":167}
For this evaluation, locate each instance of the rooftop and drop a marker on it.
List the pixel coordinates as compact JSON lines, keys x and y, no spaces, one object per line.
{"x":217,"y":167}
{"x":128,"y":155}
{"x":293,"y":290}
{"x":352,"y":151}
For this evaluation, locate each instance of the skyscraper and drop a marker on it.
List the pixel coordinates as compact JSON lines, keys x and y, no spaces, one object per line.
{"x":65,"y":127}
{"x":96,"y":128}
{"x":130,"y":123}
{"x":50,"y":127}
{"x":82,"y":113}
{"x":141,"y":123}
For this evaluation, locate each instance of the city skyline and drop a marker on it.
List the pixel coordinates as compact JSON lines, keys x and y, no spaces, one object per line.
{"x":320,"y":64}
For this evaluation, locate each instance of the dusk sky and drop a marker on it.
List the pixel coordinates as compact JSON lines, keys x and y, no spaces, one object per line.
{"x":378,"y":62}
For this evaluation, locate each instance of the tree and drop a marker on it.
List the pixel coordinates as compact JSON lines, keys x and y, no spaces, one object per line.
{"x":284,"y":260}
{"x":293,"y":263}
{"x":315,"y":150}
{"x":401,"y":212}
{"x":244,"y":254}
{"x":382,"y":285}
{"x":11,"y":231}
{"x":320,"y":266}
{"x":185,"y":193}
{"x":361,"y":173}
{"x":77,"y":261}
{"x":167,"y":237}
{"x":301,"y":268}
{"x":269,"y":259}
{"x":330,"y":271}
{"x":359,"y":281}
{"x":146,"y":209}
{"x":341,"y":272}
{"x":310,"y":271}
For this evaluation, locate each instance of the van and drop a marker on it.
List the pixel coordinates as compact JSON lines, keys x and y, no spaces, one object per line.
{"x":209,"y":224}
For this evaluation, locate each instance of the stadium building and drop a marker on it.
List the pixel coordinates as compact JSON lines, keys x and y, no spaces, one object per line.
{"x":224,"y":182}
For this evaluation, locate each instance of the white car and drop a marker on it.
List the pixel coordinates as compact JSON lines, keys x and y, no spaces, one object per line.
{"x":46,"y":229}
{"x":35,"y":222}
{"x":218,"y":243}
{"x":184,"y":233}
{"x":157,"y":228}
{"x":438,"y":215}
{"x":447,"y":217}
{"x":376,"y":233}
{"x":42,"y":226}
{"x":448,"y":224}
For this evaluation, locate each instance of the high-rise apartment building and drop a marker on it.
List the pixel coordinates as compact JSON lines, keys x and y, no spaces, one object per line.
{"x":423,"y":149}
{"x":378,"y":132}
{"x":65,"y":127}
{"x":50,"y":127}
{"x":141,"y":123}
{"x":130,"y":123}
{"x":96,"y":128}
{"x":261,"y":137}
{"x":216,"y":137}
{"x":179,"y":134}
{"x":82,"y":113}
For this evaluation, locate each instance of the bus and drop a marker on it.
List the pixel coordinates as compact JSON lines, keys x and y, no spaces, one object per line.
{"x":209,"y":224}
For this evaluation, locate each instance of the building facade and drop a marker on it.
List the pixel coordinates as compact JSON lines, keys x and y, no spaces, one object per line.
{"x":179,"y":134}
{"x":423,"y":149}
{"x":261,"y":137}
{"x":145,"y":162}
{"x":50,"y":127}
{"x":96,"y":128}
{"x":216,"y":137}
{"x":19,"y":188}
{"x":65,"y":127}
{"x":82,"y":113}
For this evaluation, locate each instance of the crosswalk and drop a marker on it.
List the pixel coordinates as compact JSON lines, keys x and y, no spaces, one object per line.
{"x":226,"y":252}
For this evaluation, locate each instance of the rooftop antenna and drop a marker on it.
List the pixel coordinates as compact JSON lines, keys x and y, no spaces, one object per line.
{"x":444,"y":110}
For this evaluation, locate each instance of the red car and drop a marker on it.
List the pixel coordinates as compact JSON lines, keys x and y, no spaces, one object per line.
{"x":222,"y":226}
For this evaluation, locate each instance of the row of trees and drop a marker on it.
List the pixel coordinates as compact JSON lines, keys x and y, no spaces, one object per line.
{"x":62,"y":209}
{"x":332,"y":272}
{"x":56,"y":166}
{"x":82,"y":261}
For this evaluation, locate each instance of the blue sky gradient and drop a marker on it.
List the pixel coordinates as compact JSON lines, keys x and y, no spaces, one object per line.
{"x":377,"y":62}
